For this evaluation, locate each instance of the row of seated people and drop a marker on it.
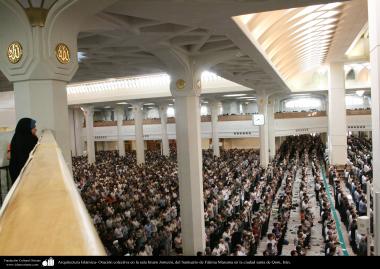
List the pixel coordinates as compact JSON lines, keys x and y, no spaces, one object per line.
{"x":350,"y":195}
{"x":299,"y":111}
{"x":304,"y":232}
{"x":349,"y":216}
{"x":302,"y":144}
{"x":330,"y":235}
{"x":302,"y":240}
{"x":361,"y":108}
{"x":276,"y":238}
{"x":329,"y":230}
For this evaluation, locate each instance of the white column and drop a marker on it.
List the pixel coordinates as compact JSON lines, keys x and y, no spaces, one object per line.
{"x":234,"y":108}
{"x":139,"y":133}
{"x":264,"y":137}
{"x":107,"y":115}
{"x":374,"y":36}
{"x":214,"y":125}
{"x":337,"y":126}
{"x":119,"y":111}
{"x":78,"y":128}
{"x":164,"y":130}
{"x":89,"y":114}
{"x":46,"y":102}
{"x":251,"y":108}
{"x":189,"y":156}
{"x":72,"y":132}
{"x":225,"y":108}
{"x":245,"y":107}
{"x":271,"y":130}
{"x":185,"y":87}
{"x":39,"y":74}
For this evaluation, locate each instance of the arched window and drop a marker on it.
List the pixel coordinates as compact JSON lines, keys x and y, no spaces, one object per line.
{"x":204,"y":111}
{"x":303,"y":104}
{"x":170,"y":112}
{"x":353,"y":101}
{"x":351,"y":75}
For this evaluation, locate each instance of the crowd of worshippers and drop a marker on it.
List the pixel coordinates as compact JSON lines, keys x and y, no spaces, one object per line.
{"x":136,"y":211}
{"x":303,"y":235}
{"x":350,"y":191}
{"x":303,"y":147}
{"x":136,"y":208}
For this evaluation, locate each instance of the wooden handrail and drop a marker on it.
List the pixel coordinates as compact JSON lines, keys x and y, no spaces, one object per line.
{"x":353,"y":112}
{"x":43,"y":214}
{"x":277,"y":115}
{"x":293,"y":115}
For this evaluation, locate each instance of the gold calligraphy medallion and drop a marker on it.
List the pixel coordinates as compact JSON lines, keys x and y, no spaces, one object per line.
{"x":62,"y":53}
{"x":180,"y":84}
{"x":14,"y":52}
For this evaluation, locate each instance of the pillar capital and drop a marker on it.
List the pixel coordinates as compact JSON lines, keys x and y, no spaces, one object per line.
{"x":162,"y":110}
{"x":88,"y":110}
{"x":119,"y":109}
{"x":185,"y":72}
{"x":136,"y":105}
{"x":262,"y":98}
{"x":163,"y":105}
{"x":45,"y":46}
{"x":214,"y":103}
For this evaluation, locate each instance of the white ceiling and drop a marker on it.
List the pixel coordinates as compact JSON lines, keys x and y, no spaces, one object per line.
{"x":119,"y":41}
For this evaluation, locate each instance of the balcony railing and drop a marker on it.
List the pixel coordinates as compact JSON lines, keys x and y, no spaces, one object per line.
{"x":294,"y":115}
{"x":278,"y":115}
{"x":43,"y":214}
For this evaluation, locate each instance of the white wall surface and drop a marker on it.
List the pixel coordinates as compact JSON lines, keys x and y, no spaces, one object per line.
{"x":7,"y":110}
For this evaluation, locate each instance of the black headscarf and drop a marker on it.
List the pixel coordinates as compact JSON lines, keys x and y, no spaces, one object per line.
{"x":22,"y":144}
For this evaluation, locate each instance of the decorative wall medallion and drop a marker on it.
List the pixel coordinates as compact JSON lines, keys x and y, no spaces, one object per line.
{"x":180,"y":84}
{"x":62,"y":52}
{"x":14,"y":52}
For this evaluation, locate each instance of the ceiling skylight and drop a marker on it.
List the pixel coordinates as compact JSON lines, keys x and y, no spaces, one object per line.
{"x":297,"y":39}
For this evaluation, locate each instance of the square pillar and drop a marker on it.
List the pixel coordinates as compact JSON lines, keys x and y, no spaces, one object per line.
{"x":264,"y":132}
{"x":189,"y":155}
{"x":139,"y":133}
{"x":214,"y":125}
{"x":337,"y":125}
{"x":120,"y":142}
{"x":89,"y":114}
{"x":46,"y":102}
{"x":164,"y":129}
{"x":78,"y":131}
{"x":374,"y":46}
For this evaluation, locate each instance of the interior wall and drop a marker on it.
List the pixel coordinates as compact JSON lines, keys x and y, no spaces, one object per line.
{"x":133,"y":143}
{"x":241,"y":143}
{"x":106,"y":145}
{"x":205,"y":143}
{"x":7,"y":110}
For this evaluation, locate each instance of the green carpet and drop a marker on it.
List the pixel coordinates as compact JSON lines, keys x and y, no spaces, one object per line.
{"x":333,"y":211}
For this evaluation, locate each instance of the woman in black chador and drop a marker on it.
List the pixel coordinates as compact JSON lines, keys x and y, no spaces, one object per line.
{"x":22,"y":144}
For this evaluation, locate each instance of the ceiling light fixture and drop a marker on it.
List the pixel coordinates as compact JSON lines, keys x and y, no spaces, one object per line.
{"x":235,"y":95}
